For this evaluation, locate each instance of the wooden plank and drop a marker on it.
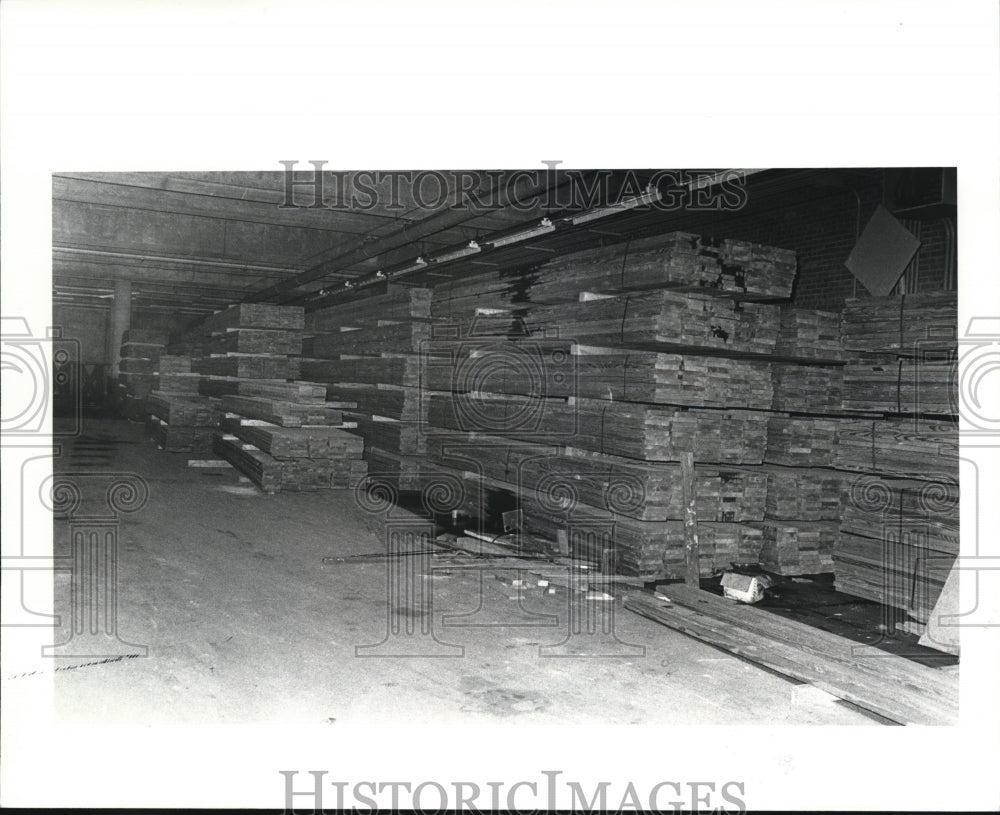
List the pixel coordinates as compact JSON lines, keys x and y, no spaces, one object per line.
{"x":909,"y":325}
{"x":691,"y":573}
{"x":283,"y":413}
{"x":926,"y":450}
{"x":893,"y":687}
{"x":257,"y":366}
{"x":253,"y":315}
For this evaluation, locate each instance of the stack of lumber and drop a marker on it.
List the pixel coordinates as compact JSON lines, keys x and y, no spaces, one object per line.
{"x":391,"y":302}
{"x":573,"y":391}
{"x":367,"y":351}
{"x":909,"y":324}
{"x":279,"y":432}
{"x":662,"y":319}
{"x":650,"y":549}
{"x":639,"y":431}
{"x":806,"y":332}
{"x":649,"y":491}
{"x":292,"y":458}
{"x":899,"y":538}
{"x":901,"y":386}
{"x":174,"y":375}
{"x":180,"y":420}
{"x":677,"y":260}
{"x":899,"y":530}
{"x":798,"y":388}
{"x":803,"y":493}
{"x":798,"y":547}
{"x":552,"y":368}
{"x":140,"y":350}
{"x":898,"y":447}
{"x":802,"y":441}
{"x":387,"y":338}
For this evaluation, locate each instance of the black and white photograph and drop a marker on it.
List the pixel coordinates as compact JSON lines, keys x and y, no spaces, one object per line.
{"x":386,"y":425}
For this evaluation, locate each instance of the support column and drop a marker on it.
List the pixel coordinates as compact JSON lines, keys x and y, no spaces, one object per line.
{"x":119,"y":321}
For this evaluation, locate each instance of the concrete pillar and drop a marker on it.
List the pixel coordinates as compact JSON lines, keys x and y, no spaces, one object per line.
{"x":119,"y":321}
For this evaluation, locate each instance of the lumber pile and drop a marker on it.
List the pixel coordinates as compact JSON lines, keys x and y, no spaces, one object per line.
{"x":179,"y":419}
{"x":278,"y":431}
{"x":678,"y":260}
{"x":910,"y":324}
{"x":662,"y":319}
{"x":817,"y":389}
{"x":806,"y":332}
{"x":639,"y":431}
{"x":902,"y":386}
{"x":899,"y":689}
{"x":139,"y":352}
{"x":802,"y":441}
{"x":651,"y":549}
{"x":899,"y":530}
{"x":803,"y":493}
{"x":898,"y":540}
{"x":898,"y":447}
{"x":636,"y":489}
{"x":797,"y":547}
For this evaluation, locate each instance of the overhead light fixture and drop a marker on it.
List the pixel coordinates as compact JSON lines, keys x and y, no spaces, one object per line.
{"x":471,"y":249}
{"x":650,"y":196}
{"x":542,"y":228}
{"x":705,"y":181}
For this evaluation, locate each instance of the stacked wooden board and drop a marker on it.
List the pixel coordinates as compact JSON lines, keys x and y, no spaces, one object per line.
{"x":139,"y":353}
{"x":367,"y":352}
{"x":281,"y":433}
{"x":677,"y":260}
{"x":180,"y":420}
{"x":899,"y":528}
{"x":578,"y":379}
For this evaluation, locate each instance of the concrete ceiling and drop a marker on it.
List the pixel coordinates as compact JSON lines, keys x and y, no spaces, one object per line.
{"x":196,"y":242}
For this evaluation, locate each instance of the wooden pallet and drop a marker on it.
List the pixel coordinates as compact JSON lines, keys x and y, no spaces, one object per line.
{"x":648,"y":549}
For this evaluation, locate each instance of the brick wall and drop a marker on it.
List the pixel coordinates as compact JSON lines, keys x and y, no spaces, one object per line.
{"x":822,"y":224}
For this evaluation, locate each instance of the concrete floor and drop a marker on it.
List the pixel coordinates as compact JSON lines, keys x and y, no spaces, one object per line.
{"x":244,"y":624}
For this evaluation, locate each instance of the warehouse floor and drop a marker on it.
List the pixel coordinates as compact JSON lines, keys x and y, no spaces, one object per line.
{"x":244,"y":623}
